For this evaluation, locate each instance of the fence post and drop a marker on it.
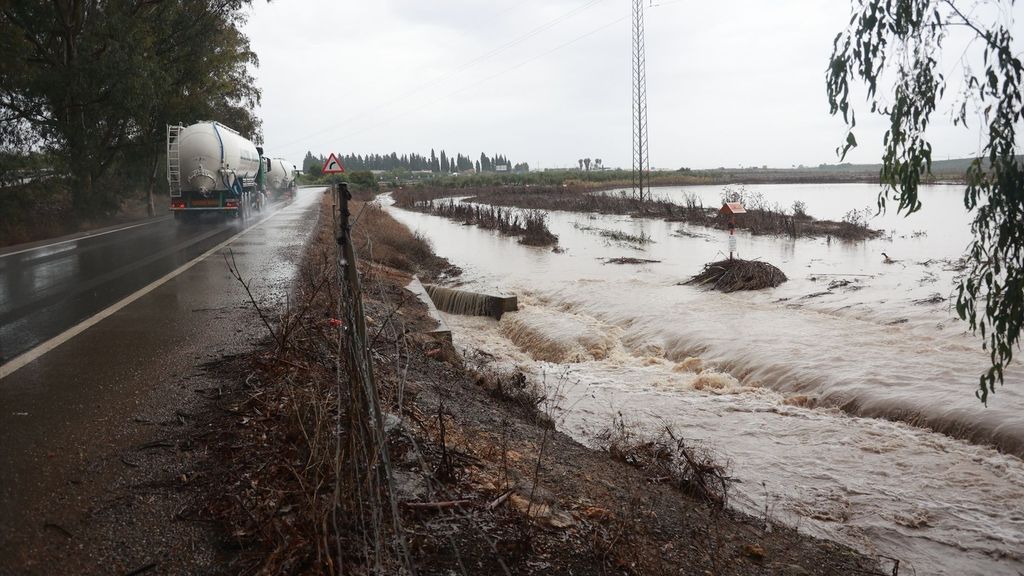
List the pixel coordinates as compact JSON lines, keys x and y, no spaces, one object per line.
{"x":367,"y":439}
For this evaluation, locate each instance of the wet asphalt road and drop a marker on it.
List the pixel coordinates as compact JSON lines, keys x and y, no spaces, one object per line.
{"x":69,"y":418}
{"x":45,"y":290}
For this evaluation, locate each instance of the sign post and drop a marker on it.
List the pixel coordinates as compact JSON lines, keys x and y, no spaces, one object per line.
{"x":332,"y":165}
{"x":732,"y":209}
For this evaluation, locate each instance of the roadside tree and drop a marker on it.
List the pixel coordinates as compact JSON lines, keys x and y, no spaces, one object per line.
{"x":93,"y":84}
{"x":895,"y":49}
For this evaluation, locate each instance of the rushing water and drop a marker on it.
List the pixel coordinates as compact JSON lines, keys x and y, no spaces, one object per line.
{"x":842,"y":400}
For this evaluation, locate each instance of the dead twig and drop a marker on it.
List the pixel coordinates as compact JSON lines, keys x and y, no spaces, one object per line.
{"x":142,"y":569}
{"x":58,"y":528}
{"x":436,"y":505}
{"x":499,"y":500}
{"x":156,"y":444}
{"x":233,"y":270}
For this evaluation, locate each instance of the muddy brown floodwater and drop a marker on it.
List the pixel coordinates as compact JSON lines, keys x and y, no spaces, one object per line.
{"x":842,"y":399}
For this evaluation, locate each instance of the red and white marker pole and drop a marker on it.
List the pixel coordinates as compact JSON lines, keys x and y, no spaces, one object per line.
{"x":732,"y":235}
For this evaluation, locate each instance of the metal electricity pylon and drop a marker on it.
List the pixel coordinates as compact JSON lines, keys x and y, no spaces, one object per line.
{"x":641,"y":161}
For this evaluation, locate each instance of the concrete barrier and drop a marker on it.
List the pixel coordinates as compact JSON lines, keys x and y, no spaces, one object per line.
{"x":441,"y":332}
{"x":455,"y":301}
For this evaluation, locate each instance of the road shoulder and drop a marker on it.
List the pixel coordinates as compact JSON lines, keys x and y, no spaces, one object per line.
{"x":103,"y":444}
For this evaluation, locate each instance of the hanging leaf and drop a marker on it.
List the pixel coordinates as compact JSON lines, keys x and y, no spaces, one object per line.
{"x":907,"y":91}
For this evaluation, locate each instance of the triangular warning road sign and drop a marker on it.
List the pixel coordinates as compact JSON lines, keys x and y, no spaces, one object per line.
{"x":332,"y":166}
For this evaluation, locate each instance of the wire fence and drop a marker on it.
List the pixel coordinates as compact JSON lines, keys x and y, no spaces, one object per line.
{"x":364,"y":491}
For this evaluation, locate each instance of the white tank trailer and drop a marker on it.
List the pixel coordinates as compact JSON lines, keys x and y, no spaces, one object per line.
{"x":280,"y":176}
{"x":212,"y":168}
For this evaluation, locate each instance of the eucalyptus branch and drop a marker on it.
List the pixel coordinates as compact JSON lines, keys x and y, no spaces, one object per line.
{"x":991,"y":295}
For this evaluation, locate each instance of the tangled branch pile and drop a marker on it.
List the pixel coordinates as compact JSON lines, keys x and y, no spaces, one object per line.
{"x":731,"y":275}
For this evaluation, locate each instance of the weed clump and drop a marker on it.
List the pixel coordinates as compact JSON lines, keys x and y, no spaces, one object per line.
{"x":529,"y":225}
{"x":516,"y":391}
{"x":667,"y":459}
{"x":391,"y":244}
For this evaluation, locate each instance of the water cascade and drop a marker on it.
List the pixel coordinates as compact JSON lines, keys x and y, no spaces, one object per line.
{"x":467,"y":303}
{"x":825,"y":393}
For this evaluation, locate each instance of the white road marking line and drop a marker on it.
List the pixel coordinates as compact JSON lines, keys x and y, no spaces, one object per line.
{"x":83,"y":237}
{"x":27,"y":357}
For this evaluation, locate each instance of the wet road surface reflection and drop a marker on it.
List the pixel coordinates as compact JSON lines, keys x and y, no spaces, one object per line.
{"x":46,"y":290}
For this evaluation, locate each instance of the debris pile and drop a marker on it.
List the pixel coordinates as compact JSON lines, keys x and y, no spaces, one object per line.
{"x":731,"y":275}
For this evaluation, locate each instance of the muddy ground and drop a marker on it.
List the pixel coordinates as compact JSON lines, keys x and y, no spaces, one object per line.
{"x":484,"y":482}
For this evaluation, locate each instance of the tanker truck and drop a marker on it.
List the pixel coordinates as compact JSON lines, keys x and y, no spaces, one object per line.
{"x":213,"y":169}
{"x":280,"y":177}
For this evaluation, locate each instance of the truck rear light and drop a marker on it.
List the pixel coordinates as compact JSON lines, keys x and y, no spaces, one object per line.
{"x":177,"y":203}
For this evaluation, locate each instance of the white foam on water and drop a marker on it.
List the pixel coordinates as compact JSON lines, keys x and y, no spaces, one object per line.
{"x":824,"y":397}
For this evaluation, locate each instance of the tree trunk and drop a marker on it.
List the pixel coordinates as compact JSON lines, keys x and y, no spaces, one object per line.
{"x":150,"y":207}
{"x":83,"y":199}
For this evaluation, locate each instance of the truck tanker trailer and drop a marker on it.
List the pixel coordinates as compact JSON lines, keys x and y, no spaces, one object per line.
{"x":212,"y":168}
{"x":280,"y":177}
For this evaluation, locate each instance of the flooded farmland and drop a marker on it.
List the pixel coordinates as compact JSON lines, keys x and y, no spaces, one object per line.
{"x":842,"y":400}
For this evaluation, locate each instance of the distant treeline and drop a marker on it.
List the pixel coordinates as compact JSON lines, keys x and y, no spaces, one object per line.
{"x":408,"y":169}
{"x":939,"y":168}
{"x":439,"y":164}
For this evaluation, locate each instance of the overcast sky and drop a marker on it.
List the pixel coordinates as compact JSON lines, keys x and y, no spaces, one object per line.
{"x":730,"y":83}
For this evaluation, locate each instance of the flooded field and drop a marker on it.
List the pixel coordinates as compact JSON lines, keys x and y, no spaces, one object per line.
{"x":842,"y":400}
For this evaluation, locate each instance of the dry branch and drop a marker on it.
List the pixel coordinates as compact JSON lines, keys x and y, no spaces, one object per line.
{"x":436,"y":505}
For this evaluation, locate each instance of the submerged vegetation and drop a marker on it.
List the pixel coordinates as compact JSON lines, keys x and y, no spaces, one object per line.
{"x":761,"y":216}
{"x":529,"y":225}
{"x":637,"y":241}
